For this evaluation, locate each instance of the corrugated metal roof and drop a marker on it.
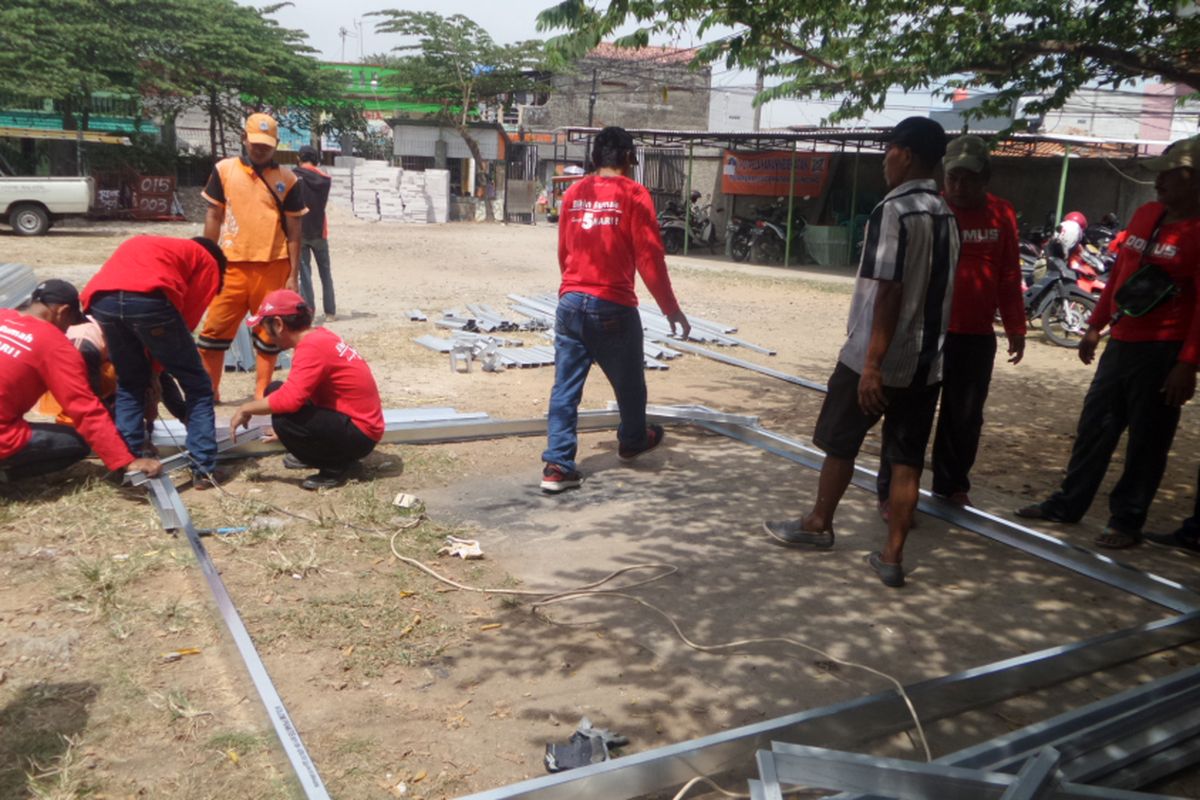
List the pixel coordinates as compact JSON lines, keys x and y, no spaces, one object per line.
{"x":1023,"y":145}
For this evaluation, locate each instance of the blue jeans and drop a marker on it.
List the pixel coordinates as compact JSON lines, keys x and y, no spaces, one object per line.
{"x":51,"y":447}
{"x":588,"y":329}
{"x":320,"y":249}
{"x":139,"y":327}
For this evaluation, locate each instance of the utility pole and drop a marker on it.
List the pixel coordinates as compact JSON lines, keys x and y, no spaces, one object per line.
{"x":592,"y":97}
{"x":758,"y":87}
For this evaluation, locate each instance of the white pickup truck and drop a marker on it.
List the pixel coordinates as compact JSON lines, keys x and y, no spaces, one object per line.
{"x":32,"y":205}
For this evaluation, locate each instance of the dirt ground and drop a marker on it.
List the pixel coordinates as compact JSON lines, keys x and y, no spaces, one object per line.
{"x":403,"y":687}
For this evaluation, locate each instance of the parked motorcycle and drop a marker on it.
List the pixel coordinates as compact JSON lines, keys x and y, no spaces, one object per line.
{"x":672,"y":226}
{"x":1053,"y":296}
{"x":696,"y":226}
{"x":770,"y":243}
{"x":740,"y":232}
{"x":703,"y":231}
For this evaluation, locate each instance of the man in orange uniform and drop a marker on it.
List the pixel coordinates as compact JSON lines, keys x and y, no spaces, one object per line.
{"x":254,"y":215}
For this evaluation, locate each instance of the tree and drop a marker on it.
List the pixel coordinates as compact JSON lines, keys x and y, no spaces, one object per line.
{"x":858,"y":49}
{"x":456,"y":64}
{"x":169,"y":54}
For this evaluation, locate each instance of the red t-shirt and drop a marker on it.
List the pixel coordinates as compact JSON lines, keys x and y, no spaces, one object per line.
{"x":1176,"y":250}
{"x":331,"y":374}
{"x":988,"y":276}
{"x":35,"y":357}
{"x":181,"y":269}
{"x":608,"y":230}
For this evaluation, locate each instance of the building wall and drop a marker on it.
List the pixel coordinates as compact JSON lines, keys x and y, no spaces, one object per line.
{"x":421,"y":140}
{"x":633,"y":94}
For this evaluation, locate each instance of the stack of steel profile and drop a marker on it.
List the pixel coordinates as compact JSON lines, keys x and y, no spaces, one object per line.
{"x":1102,"y":750}
{"x":17,"y":283}
{"x":653,"y":322}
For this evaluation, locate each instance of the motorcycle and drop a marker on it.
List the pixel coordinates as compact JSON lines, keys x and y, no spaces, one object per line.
{"x":1054,"y":297}
{"x":696,"y":227}
{"x":770,"y":240}
{"x":740,"y":233}
{"x":672,"y":226}
{"x":703,"y":231}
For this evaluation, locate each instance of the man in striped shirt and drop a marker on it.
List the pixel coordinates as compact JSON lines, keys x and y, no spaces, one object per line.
{"x":891,"y":364}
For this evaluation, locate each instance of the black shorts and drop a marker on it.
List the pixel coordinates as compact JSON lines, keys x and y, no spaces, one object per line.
{"x":907,"y":420}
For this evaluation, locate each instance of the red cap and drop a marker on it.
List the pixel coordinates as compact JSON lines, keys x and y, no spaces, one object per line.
{"x":279,"y":303}
{"x":1077,"y":218}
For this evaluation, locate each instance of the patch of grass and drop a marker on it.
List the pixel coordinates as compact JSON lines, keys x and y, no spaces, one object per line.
{"x":184,"y":713}
{"x":372,"y":633}
{"x":240,"y":742}
{"x":98,"y":583}
{"x":177,"y":616}
{"x":354,"y":746}
{"x":61,"y":779}
{"x":422,"y":462}
{"x":287,"y":564}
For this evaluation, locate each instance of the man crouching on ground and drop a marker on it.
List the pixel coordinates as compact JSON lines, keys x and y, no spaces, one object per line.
{"x":891,"y":364}
{"x":327,"y":414}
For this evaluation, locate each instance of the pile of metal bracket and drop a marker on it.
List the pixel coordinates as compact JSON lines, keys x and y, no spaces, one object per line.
{"x":1103,"y":750}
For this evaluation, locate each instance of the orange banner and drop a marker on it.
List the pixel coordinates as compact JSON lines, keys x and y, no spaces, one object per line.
{"x":769,"y":174}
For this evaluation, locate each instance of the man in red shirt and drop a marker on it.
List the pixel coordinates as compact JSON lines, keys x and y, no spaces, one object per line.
{"x":1148,"y":370}
{"x":35,"y":356}
{"x":607,"y":231}
{"x":148,"y":298}
{"x":327,"y":414}
{"x":986,"y":279}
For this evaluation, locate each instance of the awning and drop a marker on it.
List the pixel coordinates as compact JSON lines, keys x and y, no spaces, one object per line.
{"x":63,"y":136}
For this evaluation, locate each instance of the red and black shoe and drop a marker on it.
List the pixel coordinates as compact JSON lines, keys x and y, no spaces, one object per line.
{"x":557,"y":479}
{"x":654,"y":437}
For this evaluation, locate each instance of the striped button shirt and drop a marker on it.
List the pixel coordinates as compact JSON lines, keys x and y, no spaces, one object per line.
{"x":912,"y":238}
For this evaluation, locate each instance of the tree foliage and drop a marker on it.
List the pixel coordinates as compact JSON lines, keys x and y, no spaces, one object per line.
{"x":173,"y":54}
{"x":859,"y":49}
{"x":454,"y":63}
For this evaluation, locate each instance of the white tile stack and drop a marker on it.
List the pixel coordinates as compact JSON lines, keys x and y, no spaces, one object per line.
{"x":375,"y":191}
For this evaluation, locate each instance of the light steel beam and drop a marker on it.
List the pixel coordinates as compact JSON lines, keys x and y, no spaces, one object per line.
{"x":1099,"y":567}
{"x":852,"y":722}
{"x":166,"y":499}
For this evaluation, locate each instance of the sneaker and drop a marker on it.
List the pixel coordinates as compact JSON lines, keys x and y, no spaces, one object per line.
{"x":291,"y":462}
{"x":556,"y":478}
{"x":654,"y":437}
{"x":791,"y":533}
{"x":202,"y":481}
{"x":890,"y":574}
{"x":325,"y":479}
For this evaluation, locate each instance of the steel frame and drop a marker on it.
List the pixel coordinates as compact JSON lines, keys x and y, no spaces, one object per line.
{"x":843,"y":724}
{"x":174,"y":516}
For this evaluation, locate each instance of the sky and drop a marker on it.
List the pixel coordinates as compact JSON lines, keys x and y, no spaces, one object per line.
{"x":514,"y":20}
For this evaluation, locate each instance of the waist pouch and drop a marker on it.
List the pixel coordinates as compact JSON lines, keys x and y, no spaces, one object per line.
{"x":1146,"y":290}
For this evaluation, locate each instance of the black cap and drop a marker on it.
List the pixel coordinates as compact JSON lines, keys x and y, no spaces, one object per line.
{"x":55,"y":292}
{"x":308,"y":154}
{"x":924,"y":136}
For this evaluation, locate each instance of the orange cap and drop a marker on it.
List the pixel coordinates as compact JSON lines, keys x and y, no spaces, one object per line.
{"x":262,"y":129}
